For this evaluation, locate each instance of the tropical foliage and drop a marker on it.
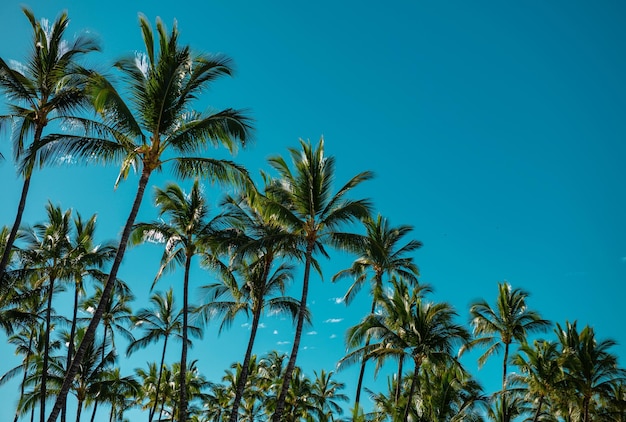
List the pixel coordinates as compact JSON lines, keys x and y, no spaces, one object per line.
{"x":66,"y":315}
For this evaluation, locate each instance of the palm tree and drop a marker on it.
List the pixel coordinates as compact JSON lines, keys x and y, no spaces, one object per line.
{"x":162,"y":321}
{"x":379,"y":254}
{"x":305,"y":204}
{"x":510,"y":321}
{"x":47,"y":248}
{"x":48,"y":87}
{"x":326,"y":395}
{"x":157,"y":127}
{"x":409,"y":327}
{"x":256,"y":293}
{"x":590,"y":368}
{"x":184,"y":236}
{"x":540,"y":372}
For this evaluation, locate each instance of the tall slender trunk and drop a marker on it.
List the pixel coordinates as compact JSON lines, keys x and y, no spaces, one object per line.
{"x":16,"y":225}
{"x":183,"y":355}
{"x":280,"y":404}
{"x":70,"y":349}
{"x":104,"y":299}
{"x":412,"y":389}
{"x":243,"y":378}
{"x":399,"y":381}
{"x":93,"y":413}
{"x":359,"y":384}
{"x":31,"y":337}
{"x":538,"y":412}
{"x":504,"y":392}
{"x":46,"y":353}
{"x":158,"y":384}
{"x":28,"y":172}
{"x":79,"y":410}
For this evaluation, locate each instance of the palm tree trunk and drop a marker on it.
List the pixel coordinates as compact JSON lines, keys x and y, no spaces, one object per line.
{"x":16,"y":225}
{"x":538,"y":412}
{"x":280,"y":404}
{"x":31,"y":337}
{"x":241,"y":383}
{"x":104,"y":299}
{"x":79,"y":410}
{"x":359,"y":384}
{"x":399,"y":381}
{"x":93,"y":414}
{"x":506,"y":358}
{"x":70,"y":349}
{"x":183,"y":355}
{"x":46,"y":352}
{"x":158,"y":384}
{"x":411,"y":390}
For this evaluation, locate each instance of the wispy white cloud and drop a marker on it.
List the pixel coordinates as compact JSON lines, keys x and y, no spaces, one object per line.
{"x":311,"y":333}
{"x":245,"y":325}
{"x":333,"y":336}
{"x":282,"y":343}
{"x":336,"y":300}
{"x":308,"y":347}
{"x":275,"y":332}
{"x":261,"y":325}
{"x":333,"y":320}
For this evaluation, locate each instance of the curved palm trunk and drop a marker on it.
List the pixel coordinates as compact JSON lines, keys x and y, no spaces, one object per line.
{"x":20,"y":208}
{"x":93,"y":414}
{"x":183,"y":355}
{"x":104,"y":299}
{"x":158,"y":384}
{"x":243,"y":378}
{"x":79,"y":410}
{"x":46,"y":352}
{"x":16,"y":225}
{"x":280,"y":404}
{"x":359,"y":384}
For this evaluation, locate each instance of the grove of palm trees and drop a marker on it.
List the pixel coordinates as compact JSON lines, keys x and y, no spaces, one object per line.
{"x":133,"y":319}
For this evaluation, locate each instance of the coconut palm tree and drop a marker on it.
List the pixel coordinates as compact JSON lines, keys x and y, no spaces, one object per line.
{"x":379,"y":254}
{"x":326,"y":395}
{"x":259,"y":291}
{"x":540,"y":373}
{"x":508,"y":322}
{"x":157,"y":127}
{"x":411,"y":327}
{"x":49,"y":86}
{"x":590,"y":368}
{"x":184,"y":236}
{"x":161,"y":321}
{"x":46,"y":254}
{"x":305,"y":204}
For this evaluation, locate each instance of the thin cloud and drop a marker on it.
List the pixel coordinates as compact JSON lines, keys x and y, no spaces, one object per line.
{"x":282,"y":343}
{"x":333,"y":336}
{"x":333,"y":320}
{"x":337,"y":300}
{"x":311,"y":333}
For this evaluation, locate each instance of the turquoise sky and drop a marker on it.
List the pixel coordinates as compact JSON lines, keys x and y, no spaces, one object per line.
{"x":496,"y":129}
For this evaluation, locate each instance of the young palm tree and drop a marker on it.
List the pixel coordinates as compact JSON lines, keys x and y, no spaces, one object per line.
{"x":162,"y":321}
{"x":48,"y":87}
{"x":303,"y":201}
{"x":184,"y":236}
{"x":379,"y":254}
{"x":157,"y":127}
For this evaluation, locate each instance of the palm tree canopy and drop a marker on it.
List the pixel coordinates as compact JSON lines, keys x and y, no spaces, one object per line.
{"x":510,"y":321}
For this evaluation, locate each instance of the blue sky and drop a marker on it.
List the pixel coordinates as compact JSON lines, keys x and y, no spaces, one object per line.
{"x":496,"y":129}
